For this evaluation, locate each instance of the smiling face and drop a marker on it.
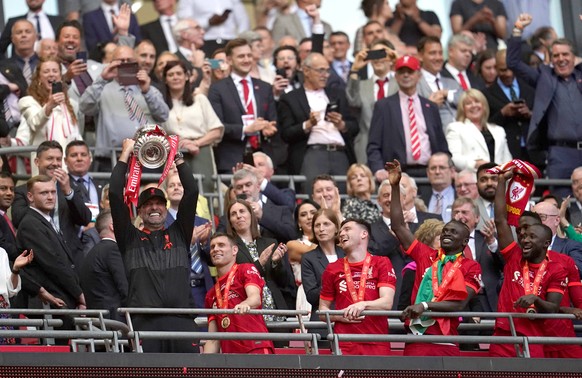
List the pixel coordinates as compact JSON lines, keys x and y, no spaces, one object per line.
{"x":325,"y":192}
{"x":6,"y":192}
{"x":305,"y":217}
{"x":78,"y":160}
{"x":49,"y":160}
{"x":240,"y":218}
{"x":324,"y":229}
{"x":351,"y":235}
{"x":454,"y":237}
{"x":473,"y":110}
{"x":241,"y":60}
{"x":534,"y":242}
{"x":146,"y":56}
{"x":432,"y":57}
{"x":222,"y":252}
{"x":466,"y":185}
{"x":288,"y":60}
{"x":69,"y":43}
{"x":153,"y":213}
{"x":465,"y":213}
{"x":372,"y":32}
{"x":563,"y":60}
{"x":49,"y":72}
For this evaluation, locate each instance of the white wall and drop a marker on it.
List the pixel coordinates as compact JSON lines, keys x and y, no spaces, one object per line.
{"x":14,"y":8}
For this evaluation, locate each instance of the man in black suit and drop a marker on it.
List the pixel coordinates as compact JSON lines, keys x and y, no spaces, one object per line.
{"x":159,"y":31}
{"x":189,"y":37}
{"x":460,"y":53}
{"x":408,"y":192}
{"x":44,"y":24}
{"x":102,"y":273}
{"x":405,"y":126}
{"x":53,"y":265}
{"x":7,"y":230}
{"x":245,"y":106}
{"x":320,"y":141}
{"x":13,"y":86}
{"x":510,"y":100}
{"x":69,"y":212}
{"x":23,"y":55}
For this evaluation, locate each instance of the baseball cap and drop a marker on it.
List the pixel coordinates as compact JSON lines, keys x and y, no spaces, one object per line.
{"x":150,"y":193}
{"x":407,"y":61}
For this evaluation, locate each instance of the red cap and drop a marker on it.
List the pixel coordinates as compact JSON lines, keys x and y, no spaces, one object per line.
{"x":407,"y":61}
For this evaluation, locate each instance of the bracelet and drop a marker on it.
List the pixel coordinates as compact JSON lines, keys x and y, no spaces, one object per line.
{"x":15,"y":271}
{"x":425,"y":305}
{"x":516,"y":32}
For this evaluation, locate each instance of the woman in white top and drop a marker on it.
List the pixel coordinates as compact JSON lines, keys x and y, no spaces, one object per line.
{"x":472,"y":141}
{"x":193,"y":120}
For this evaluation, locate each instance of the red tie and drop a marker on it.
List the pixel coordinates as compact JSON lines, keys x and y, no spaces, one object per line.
{"x":254,"y":140}
{"x":468,"y":253}
{"x":463,"y":82}
{"x":381,"y":94}
{"x":9,"y":224}
{"x":414,"y":137}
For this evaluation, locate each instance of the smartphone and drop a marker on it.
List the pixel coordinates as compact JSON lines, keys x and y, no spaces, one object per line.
{"x":82,"y":55}
{"x":519,"y":101}
{"x":248,"y":158}
{"x":241,"y":196}
{"x":57,"y":87}
{"x":281,"y":72}
{"x":215,"y":63}
{"x":376,"y":54}
{"x":127,"y":74}
{"x":333,"y":106}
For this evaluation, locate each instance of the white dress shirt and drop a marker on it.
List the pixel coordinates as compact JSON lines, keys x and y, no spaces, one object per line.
{"x":168,"y":23}
{"x":46,"y":29}
{"x":323,"y":132}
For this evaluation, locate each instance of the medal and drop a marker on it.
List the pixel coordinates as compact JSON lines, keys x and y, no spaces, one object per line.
{"x":527,"y":287}
{"x":363,"y":278}
{"x":437,"y":289}
{"x":225,"y":322}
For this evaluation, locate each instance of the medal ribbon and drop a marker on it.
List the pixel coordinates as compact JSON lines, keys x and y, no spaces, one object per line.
{"x":363,"y":277}
{"x":223,"y":301}
{"x":537,"y":280}
{"x":439,"y":289}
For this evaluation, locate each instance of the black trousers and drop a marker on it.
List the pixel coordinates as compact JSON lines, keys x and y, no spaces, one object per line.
{"x":167,"y":323}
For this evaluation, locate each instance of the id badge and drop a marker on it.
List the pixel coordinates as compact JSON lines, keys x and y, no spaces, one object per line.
{"x":94,"y":210}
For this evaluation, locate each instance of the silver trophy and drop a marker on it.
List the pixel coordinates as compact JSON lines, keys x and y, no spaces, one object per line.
{"x":151,"y":146}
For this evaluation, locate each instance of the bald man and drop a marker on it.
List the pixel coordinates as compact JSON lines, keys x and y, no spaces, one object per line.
{"x":106,"y":99}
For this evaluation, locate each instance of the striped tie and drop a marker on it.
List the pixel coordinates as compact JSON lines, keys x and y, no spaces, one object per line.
{"x":27,"y":70}
{"x":133,"y":108}
{"x":414,"y":137}
{"x":196,"y":263}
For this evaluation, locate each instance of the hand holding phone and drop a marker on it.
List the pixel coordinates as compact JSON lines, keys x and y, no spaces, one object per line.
{"x":82,"y":55}
{"x":127,"y":74}
{"x":57,"y":87}
{"x":333,"y":106}
{"x":376,"y":54}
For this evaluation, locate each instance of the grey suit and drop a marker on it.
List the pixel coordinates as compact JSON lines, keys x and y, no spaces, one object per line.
{"x":447,"y":111}
{"x":483,"y":213}
{"x":290,"y":24}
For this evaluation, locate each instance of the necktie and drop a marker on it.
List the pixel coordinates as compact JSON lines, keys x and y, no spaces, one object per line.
{"x":38,"y":32}
{"x":414,"y":137}
{"x":27,"y":70}
{"x":463,"y":81}
{"x":491,"y":211}
{"x":55,"y":220}
{"x":381,"y":94}
{"x":196,"y":263}
{"x":112,"y":12}
{"x":253,"y":140}
{"x":82,"y":184}
{"x":9,"y":224}
{"x":82,"y":81}
{"x":438,"y":207}
{"x":512,"y":93}
{"x":345,"y":69}
{"x":7,"y":113}
{"x":172,"y":43}
{"x":438,"y":83}
{"x":468,"y":253}
{"x":133,"y":108}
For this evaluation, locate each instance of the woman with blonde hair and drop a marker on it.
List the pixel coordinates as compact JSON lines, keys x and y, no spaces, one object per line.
{"x":472,"y":141}
{"x":360,"y":186}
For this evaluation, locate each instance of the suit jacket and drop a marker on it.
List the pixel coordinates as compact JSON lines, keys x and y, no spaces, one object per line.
{"x":13,"y":74}
{"x":6,"y":37}
{"x":467,"y":145}
{"x":53,"y":264}
{"x":313,"y":264}
{"x":573,"y":214}
{"x":515,"y":127}
{"x":290,"y":24}
{"x":280,"y":197}
{"x":226,"y":103}
{"x":154,"y":32}
{"x":483,"y":213}
{"x":279,"y":278}
{"x":545,"y":82}
{"x":8,"y":240}
{"x":97,"y":30}
{"x":103,"y":278}
{"x":387,"y":142}
{"x":491,"y":270}
{"x":293,"y":109}
{"x":421,"y":217}
{"x":448,"y":110}
{"x":474,"y":81}
{"x":72,"y":214}
{"x":384,"y":243}
{"x":569,"y":247}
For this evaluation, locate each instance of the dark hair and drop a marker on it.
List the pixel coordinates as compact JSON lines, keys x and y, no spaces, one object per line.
{"x":306,"y":201}
{"x":339,"y":34}
{"x":103,"y":220}
{"x":323,"y":177}
{"x":264,"y":28}
{"x":550,"y":196}
{"x":329,"y":214}
{"x":283,"y":48}
{"x":481,"y":58}
{"x":372,"y":22}
{"x":567,"y":42}
{"x":231,"y":239}
{"x":233,"y":44}
{"x":187,"y":97}
{"x":76,"y":143}
{"x":531,"y":214}
{"x":5,"y":174}
{"x":34,"y":179}
{"x":484,"y":167}
{"x":72,"y":23}
{"x":254,"y":222}
{"x":369,"y":7}
{"x":546,"y":232}
{"x":48,"y":145}
{"x":427,"y":40}
{"x":98,"y":52}
{"x":543,"y":32}
{"x":359,"y":221}
{"x":382,"y":41}
{"x":217,"y":51}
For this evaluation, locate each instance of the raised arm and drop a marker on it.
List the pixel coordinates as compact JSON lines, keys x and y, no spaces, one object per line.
{"x":397,"y":222}
{"x":504,"y":234}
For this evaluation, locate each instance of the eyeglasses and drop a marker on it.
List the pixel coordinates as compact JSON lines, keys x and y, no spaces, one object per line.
{"x":320,"y":71}
{"x":543,"y":217}
{"x":465,"y":185}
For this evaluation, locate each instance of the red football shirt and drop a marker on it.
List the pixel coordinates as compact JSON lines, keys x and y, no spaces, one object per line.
{"x":246,"y":274}
{"x":424,"y":257}
{"x":554,"y":280}
{"x":565,"y":327}
{"x":334,"y":288}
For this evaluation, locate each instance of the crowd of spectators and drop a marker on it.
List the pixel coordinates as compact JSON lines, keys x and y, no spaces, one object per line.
{"x":285,"y":98}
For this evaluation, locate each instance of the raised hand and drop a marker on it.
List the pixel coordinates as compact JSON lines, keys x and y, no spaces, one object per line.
{"x":122,"y":20}
{"x":523,"y":20}
{"x":394,"y":172}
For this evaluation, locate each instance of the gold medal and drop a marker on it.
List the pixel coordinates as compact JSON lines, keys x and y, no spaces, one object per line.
{"x":225,"y":322}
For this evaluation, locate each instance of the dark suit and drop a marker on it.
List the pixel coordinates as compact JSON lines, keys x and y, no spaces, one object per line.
{"x":313,"y":264}
{"x":8,"y":239}
{"x":421,"y":217}
{"x":515,"y":127}
{"x":387,"y":142}
{"x":226,"y":102}
{"x":154,"y":32}
{"x":384,"y":243}
{"x":10,"y":70}
{"x":97,"y":30}
{"x":72,"y":214}
{"x":491,"y":269}
{"x":475,"y":82}
{"x":569,"y":247}
{"x":280,"y":197}
{"x":103,"y":278}
{"x":573,"y":214}
{"x":278,"y":278}
{"x":293,"y":109}
{"x":6,"y":37}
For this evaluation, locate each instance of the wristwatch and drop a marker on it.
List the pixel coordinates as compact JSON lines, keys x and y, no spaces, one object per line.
{"x":179,"y":155}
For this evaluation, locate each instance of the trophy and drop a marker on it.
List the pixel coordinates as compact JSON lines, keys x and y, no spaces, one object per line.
{"x":151,"y":146}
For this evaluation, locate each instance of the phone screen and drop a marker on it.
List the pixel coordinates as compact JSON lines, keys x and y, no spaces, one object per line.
{"x":127,"y":74}
{"x":376,"y":54}
{"x":215,"y":63}
{"x":57,"y":87}
{"x":333,"y":106}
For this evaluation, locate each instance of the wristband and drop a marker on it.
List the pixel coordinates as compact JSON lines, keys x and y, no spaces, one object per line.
{"x":425,"y":305}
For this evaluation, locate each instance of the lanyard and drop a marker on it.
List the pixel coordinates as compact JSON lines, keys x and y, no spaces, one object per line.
{"x":363,"y":277}
{"x":437,"y":289}
{"x":223,"y":300}
{"x":537,"y":280}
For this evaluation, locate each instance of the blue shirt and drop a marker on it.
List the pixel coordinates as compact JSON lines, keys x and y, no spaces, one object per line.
{"x":505,"y":88}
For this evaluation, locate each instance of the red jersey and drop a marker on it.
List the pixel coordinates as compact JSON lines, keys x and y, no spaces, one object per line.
{"x":553,"y":281}
{"x":565,"y":327}
{"x":424,"y":256}
{"x":246,"y":274}
{"x":334,"y":288}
